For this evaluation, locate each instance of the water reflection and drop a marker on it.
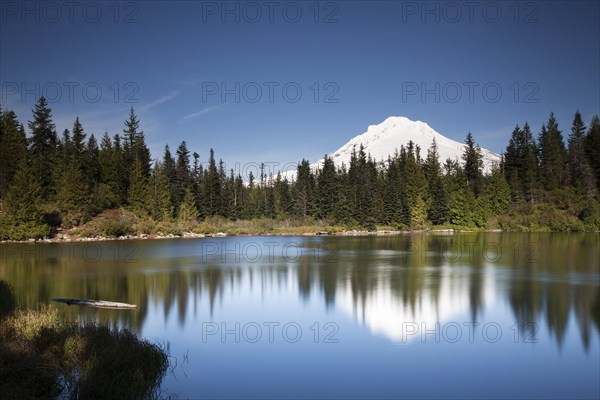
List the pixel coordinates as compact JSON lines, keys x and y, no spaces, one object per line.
{"x":382,"y":282}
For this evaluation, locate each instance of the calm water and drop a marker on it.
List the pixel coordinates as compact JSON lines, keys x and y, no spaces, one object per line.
{"x":426,"y":316}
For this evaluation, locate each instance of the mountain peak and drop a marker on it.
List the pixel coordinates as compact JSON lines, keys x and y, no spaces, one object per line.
{"x":385,"y":138}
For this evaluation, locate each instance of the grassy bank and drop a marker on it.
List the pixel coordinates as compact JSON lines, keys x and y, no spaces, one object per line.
{"x":122,"y":222}
{"x":43,"y":358}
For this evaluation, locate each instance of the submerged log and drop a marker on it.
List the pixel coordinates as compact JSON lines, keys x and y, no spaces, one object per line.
{"x":95,"y":303}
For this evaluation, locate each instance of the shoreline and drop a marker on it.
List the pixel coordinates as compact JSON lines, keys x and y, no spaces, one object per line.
{"x":73,"y":238}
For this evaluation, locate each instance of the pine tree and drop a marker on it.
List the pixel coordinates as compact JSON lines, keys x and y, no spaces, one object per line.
{"x":182,"y":172}
{"x":580,"y":173}
{"x":415,"y":190}
{"x":270,"y":198}
{"x":72,"y":195}
{"x":363,"y":190}
{"x":170,"y":172}
{"x":529,"y":173}
{"x":304,"y":187}
{"x":473,"y":164}
{"x":78,"y":138}
{"x":438,"y":207}
{"x":196,"y":179}
{"x":513,"y":162}
{"x":392,"y":196}
{"x":121,"y":172}
{"x":110,"y":177}
{"x":437,"y":211}
{"x":496,"y":195}
{"x":188,"y":211}
{"x":225,"y":200}
{"x":161,"y":206}
{"x":327,"y":189}
{"x":137,"y":194}
{"x":43,"y":145}
{"x":13,"y":148}
{"x":592,"y":148}
{"x":461,"y":200}
{"x":135,"y":145}
{"x":25,"y":219}
{"x":229,"y":197}
{"x":552,"y":155}
{"x":520,"y":164}
{"x":432,"y":166}
{"x":343,"y":212}
{"x":212,"y":188}
{"x":91,"y":162}
{"x":132,"y":125}
{"x":281,"y":193}
{"x":241,"y":198}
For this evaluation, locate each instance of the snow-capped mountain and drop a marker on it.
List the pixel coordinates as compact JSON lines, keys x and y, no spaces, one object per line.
{"x":385,"y":138}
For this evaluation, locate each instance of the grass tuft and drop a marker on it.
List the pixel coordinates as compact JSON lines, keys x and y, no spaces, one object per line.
{"x":42,"y":358}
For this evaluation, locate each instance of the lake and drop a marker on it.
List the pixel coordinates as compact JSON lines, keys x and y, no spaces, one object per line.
{"x":469,"y":315}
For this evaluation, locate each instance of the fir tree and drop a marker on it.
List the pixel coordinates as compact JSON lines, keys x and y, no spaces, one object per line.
{"x":461,"y":200}
{"x":72,"y":195}
{"x":137,"y":194}
{"x":120,"y":170}
{"x":135,"y":145}
{"x":91,"y":163}
{"x":473,"y":164}
{"x":520,"y":165}
{"x":438,"y":207}
{"x":196,"y":179}
{"x":212,"y":188}
{"x":580,"y":173}
{"x":497,"y":193}
{"x":161,"y":206}
{"x":283,"y":195}
{"x":304,"y":189}
{"x":327,"y":189}
{"x":43,"y":145}
{"x":592,"y":149}
{"x":224,"y":200}
{"x":552,"y":155}
{"x":529,"y":172}
{"x":22,"y":205}
{"x":188,"y":211}
{"x":415,"y":190}
{"x":78,"y":139}
{"x":270,"y":198}
{"x":110,"y":165}
{"x":170,"y":172}
{"x":392,"y":196}
{"x":13,"y":148}
{"x":182,"y":172}
{"x":343,"y":212}
{"x":437,"y":211}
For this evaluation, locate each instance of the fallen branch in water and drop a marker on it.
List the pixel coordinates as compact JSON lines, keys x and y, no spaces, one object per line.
{"x":95,"y":303}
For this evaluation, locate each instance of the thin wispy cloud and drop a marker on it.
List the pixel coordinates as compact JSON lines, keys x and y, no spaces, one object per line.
{"x":198,"y":113}
{"x":160,"y":100}
{"x":188,"y":82}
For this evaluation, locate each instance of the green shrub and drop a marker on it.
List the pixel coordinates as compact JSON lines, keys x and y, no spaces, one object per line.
{"x":112,"y":223}
{"x":10,"y":230}
{"x":42,"y":358}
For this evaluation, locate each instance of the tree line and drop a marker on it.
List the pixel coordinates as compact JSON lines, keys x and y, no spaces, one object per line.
{"x":49,"y":180}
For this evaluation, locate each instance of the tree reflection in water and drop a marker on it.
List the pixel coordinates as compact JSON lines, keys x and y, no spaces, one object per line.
{"x":547,"y":278}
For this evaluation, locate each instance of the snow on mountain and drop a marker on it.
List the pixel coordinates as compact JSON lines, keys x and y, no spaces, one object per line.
{"x":384,"y":139}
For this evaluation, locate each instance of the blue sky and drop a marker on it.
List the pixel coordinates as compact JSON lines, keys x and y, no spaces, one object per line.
{"x":227,"y":75}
